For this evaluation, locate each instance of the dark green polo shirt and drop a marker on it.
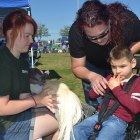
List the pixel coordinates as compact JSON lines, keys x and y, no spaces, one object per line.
{"x":14,"y":79}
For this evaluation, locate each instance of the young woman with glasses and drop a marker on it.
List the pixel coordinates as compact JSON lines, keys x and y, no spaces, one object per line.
{"x":97,"y":29}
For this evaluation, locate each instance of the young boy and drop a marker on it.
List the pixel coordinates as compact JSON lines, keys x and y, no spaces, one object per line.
{"x":113,"y":128}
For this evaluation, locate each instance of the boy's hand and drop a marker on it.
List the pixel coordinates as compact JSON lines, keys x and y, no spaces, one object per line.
{"x":114,"y":81}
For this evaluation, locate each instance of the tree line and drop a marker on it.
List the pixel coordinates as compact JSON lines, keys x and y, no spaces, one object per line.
{"x":43,"y":31}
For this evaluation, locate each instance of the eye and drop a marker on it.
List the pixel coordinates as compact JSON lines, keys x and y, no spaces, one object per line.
{"x":26,"y":35}
{"x":113,"y":67}
{"x":123,"y":66}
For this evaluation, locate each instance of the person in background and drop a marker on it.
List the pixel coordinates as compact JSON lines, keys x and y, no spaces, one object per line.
{"x":18,"y":118}
{"x":97,"y":29}
{"x":44,"y":47}
{"x":49,"y":47}
{"x":35,"y":49}
{"x":64,"y":47}
{"x":113,"y":128}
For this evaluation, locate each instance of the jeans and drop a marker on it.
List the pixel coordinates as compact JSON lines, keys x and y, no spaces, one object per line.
{"x":22,"y":129}
{"x":112,"y":129}
{"x":87,"y":87}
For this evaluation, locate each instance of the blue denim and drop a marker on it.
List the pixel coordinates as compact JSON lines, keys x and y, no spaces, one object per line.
{"x":112,"y":129}
{"x":22,"y":129}
{"x":87,"y":87}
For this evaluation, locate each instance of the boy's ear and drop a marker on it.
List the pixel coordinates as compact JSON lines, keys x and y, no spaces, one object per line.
{"x":134,"y":62}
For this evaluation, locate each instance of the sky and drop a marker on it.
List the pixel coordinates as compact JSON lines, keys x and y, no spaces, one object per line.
{"x":56,"y":14}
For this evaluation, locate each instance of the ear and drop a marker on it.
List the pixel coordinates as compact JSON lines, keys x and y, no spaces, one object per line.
{"x":9,"y":34}
{"x":133,"y":63}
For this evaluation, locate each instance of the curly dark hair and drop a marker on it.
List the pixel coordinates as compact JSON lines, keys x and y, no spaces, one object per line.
{"x":119,"y":16}
{"x":92,"y":13}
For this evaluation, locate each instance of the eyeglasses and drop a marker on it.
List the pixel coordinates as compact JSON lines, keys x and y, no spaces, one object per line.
{"x":103,"y":34}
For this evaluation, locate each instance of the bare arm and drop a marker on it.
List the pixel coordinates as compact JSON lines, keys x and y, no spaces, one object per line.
{"x":11,"y":107}
{"x":98,"y":82}
{"x":135,"y":47}
{"x":79,"y":69}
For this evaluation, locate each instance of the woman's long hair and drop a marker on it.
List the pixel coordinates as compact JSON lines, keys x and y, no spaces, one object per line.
{"x":119,"y":15}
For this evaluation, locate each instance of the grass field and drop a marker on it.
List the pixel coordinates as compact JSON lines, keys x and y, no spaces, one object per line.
{"x":60,"y":62}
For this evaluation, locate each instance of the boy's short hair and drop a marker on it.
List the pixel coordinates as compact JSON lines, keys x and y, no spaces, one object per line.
{"x":119,"y":52}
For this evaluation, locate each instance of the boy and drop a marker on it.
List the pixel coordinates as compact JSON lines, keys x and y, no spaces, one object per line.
{"x":113,"y":128}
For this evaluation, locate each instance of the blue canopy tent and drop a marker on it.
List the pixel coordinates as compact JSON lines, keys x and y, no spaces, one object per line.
{"x":7,"y":6}
{"x":14,"y":3}
{"x":64,"y":38}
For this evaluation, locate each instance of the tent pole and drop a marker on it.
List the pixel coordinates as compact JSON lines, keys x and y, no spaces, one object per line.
{"x":32,"y":60}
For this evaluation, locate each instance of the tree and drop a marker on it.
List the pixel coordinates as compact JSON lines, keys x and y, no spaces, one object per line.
{"x":42,"y":31}
{"x":64,"y":31}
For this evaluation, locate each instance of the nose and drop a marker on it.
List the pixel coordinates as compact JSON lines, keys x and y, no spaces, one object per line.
{"x":117,"y":71}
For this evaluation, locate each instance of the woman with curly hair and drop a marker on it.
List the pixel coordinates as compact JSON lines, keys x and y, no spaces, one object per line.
{"x":97,"y":29}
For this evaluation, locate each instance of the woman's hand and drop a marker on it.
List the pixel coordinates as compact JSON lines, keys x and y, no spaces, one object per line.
{"x":98,"y":83}
{"x":50,"y":101}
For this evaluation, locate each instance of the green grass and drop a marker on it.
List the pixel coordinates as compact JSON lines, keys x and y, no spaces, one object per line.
{"x":60,"y":62}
